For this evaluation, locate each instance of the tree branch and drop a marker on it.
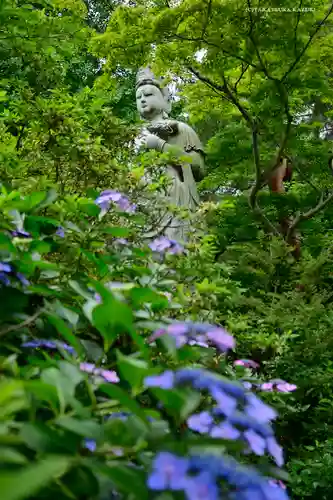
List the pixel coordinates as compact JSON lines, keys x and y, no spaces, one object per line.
{"x":244,"y":70}
{"x":255,"y":146}
{"x":211,"y":44}
{"x":305,"y":179}
{"x":310,"y":213}
{"x":27,"y":322}
{"x":224,"y":89}
{"x":296,"y":26}
{"x":209,"y":11}
{"x":300,"y":55}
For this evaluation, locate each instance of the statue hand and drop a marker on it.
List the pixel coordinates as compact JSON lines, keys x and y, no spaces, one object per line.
{"x":151,"y":141}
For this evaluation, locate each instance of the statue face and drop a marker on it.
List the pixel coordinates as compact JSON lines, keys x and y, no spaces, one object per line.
{"x":149,"y":101}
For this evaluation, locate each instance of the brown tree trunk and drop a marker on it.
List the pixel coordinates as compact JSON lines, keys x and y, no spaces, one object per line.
{"x":276,"y":185}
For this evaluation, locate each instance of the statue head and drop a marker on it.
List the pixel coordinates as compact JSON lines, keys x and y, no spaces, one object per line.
{"x":152,"y":99}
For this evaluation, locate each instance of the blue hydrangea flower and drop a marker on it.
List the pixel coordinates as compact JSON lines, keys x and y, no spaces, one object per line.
{"x":48,"y":344}
{"x":236,"y":414}
{"x":163,"y":381}
{"x":201,"y":487}
{"x":5,"y":268}
{"x":4,"y":279}
{"x":225,"y":431}
{"x":201,"y":422}
{"x":259,"y":410}
{"x":199,"y":477}
{"x":169,"y":472}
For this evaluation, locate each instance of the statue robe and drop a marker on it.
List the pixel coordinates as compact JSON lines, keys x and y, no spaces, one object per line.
{"x":182,"y":191}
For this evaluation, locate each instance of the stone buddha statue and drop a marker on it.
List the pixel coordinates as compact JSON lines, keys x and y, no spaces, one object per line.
{"x":170,"y":136}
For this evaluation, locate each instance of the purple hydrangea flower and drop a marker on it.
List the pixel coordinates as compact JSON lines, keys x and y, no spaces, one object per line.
{"x":110,"y":196}
{"x":266,"y":387}
{"x":199,"y":341}
{"x":98,"y":298}
{"x":121,"y":415}
{"x":285,"y":387}
{"x":121,"y":241}
{"x":164,"y":244}
{"x":187,"y":332}
{"x":20,"y":233}
{"x":169,"y":472}
{"x":247,"y":363}
{"x":163,"y":381}
{"x":247,"y":385}
{"x":90,"y":444}
{"x":60,"y":232}
{"x":107,"y":375}
{"x":221,"y":339}
{"x":23,"y":279}
{"x":277,"y":483}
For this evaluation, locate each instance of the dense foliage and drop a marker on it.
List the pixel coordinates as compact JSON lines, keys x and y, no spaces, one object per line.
{"x":138,"y":369}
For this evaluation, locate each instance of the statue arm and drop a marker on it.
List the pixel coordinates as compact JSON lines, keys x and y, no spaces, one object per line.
{"x":197,"y":159}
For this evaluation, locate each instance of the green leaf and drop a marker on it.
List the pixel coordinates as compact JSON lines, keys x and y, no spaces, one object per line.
{"x":117,"y":232}
{"x":27,"y":482}
{"x":179,"y":403}
{"x":65,"y":313}
{"x":78,"y":288}
{"x":67,"y":334}
{"x":133,"y":370}
{"x":126,"y":479}
{"x":11,"y":456}
{"x":44,"y":439}
{"x":42,"y":391}
{"x":84,"y":428}
{"x":145,"y":295}
{"x":124,"y":399}
{"x":112,"y":317}
{"x":89,"y":208}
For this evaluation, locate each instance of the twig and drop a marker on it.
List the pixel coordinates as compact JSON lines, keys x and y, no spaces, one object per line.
{"x":209,"y":11}
{"x":20,"y":137}
{"x":244,"y":70}
{"x":255,"y":149}
{"x":25,"y":323}
{"x":320,"y":24}
{"x":308,"y":181}
{"x":310,"y":213}
{"x":296,"y":27}
{"x":211,"y":44}
{"x":225,"y":90}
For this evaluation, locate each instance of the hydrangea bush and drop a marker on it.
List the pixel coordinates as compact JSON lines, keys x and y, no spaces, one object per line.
{"x":110,"y":386}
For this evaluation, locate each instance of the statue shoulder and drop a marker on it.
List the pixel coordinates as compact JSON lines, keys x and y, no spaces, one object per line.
{"x":185,"y":128}
{"x":190,"y":137}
